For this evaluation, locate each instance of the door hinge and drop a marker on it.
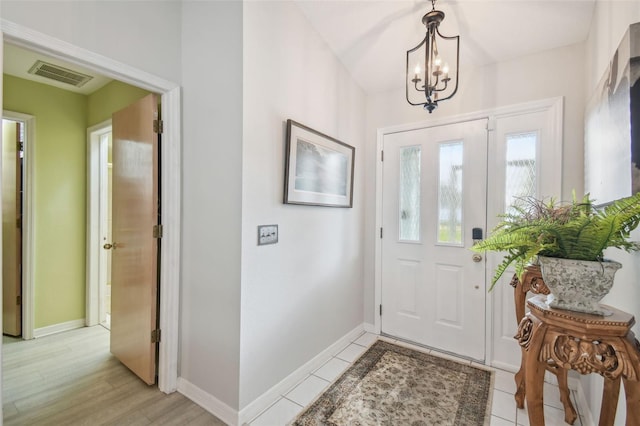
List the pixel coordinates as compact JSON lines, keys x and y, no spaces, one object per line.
{"x":158,"y":126}
{"x":381,"y":155}
{"x":20,"y":146}
{"x":18,"y":300}
{"x":380,"y":309}
{"x":157,"y":231}
{"x":19,"y":223}
{"x":381,"y":232}
{"x":156,"y":335}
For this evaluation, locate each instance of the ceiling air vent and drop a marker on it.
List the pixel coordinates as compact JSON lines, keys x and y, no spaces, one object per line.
{"x":58,"y":73}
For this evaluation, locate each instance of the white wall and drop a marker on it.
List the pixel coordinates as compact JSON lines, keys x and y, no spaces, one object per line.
{"x":558,"y":72}
{"x":611,"y":21}
{"x":212,"y":197}
{"x":302,"y":294}
{"x":142,"y":34}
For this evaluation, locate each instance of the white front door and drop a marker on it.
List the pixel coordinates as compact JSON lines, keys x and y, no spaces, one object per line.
{"x":434,"y":190}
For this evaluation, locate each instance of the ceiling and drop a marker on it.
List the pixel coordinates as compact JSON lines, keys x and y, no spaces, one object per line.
{"x":17,"y":62}
{"x":371,"y":37}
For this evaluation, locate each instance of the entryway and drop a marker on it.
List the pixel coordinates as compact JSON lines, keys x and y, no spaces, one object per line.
{"x":441,"y":186}
{"x":434,"y":192}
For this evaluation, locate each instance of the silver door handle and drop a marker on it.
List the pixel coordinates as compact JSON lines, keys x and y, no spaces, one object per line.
{"x":476,"y":257}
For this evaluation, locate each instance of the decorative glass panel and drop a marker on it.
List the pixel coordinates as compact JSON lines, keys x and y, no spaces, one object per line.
{"x":520,"y":176}
{"x":410,"y":193}
{"x":450,"y":193}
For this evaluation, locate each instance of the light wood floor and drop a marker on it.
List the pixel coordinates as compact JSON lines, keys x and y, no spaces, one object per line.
{"x":72,"y":379}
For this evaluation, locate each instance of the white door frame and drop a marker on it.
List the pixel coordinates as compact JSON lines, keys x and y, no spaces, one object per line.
{"x":170,"y":175}
{"x":555,"y":108}
{"x":96,"y":212}
{"x":28,"y":223}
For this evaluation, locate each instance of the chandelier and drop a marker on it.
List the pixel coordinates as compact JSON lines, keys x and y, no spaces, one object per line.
{"x":433,"y":79}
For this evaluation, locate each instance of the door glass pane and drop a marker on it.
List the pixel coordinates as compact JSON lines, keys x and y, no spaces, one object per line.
{"x":410,"y":193}
{"x":450,"y":193}
{"x":520,"y":176}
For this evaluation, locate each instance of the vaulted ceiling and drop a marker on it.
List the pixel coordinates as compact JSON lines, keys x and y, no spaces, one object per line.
{"x":371,"y":37}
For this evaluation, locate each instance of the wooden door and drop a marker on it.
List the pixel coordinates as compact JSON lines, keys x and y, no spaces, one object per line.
{"x":134,"y":286}
{"x":434,"y":195}
{"x":11,"y":229}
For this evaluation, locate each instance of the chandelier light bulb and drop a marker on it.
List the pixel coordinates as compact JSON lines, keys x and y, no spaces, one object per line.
{"x":417,"y":70}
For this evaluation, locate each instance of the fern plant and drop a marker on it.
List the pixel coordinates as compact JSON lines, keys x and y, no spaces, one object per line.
{"x":576,"y":230}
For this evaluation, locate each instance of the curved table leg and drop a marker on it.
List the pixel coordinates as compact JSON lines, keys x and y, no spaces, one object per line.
{"x":534,"y":376}
{"x":520,"y":383}
{"x":632,"y":392}
{"x":570,"y":414}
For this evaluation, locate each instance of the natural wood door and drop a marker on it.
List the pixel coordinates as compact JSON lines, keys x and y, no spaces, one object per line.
{"x":11,"y":229}
{"x":134,"y":286}
{"x":435,"y":194}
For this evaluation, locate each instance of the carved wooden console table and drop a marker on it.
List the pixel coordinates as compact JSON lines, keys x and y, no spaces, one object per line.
{"x":532,"y":282}
{"x":585,"y":343}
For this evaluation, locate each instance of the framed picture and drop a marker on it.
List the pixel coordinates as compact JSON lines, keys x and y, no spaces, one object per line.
{"x":318,"y":168}
{"x":612,"y":126}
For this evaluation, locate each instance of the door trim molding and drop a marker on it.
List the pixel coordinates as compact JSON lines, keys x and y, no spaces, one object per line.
{"x":95,"y":196}
{"x":29,"y":225}
{"x":171,"y":174}
{"x":555,"y":108}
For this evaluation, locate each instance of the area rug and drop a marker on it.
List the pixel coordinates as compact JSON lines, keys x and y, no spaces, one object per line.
{"x":394,"y":385}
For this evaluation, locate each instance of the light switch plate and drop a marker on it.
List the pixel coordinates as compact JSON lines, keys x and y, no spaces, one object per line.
{"x":267,"y":234}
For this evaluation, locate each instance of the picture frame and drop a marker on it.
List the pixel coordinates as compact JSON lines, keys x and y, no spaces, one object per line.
{"x":318,"y":168}
{"x":612,"y":126}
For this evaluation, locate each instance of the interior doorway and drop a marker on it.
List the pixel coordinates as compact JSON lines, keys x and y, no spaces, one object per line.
{"x":100,"y":143}
{"x":168,"y":270}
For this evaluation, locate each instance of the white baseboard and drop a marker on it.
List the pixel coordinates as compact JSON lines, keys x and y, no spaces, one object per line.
{"x":585,"y":410}
{"x":208,"y":402}
{"x":265,"y":400}
{"x":506,"y":367}
{"x":58,"y":328}
{"x":369,"y":328}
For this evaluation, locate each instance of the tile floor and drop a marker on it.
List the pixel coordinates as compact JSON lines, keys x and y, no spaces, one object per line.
{"x":504,"y":411}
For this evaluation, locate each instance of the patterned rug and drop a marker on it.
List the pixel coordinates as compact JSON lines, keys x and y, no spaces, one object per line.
{"x":393,"y":385}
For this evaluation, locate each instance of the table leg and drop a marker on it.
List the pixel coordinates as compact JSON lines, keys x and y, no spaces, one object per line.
{"x":534,"y":377}
{"x":632,"y":391}
{"x":519,"y":378}
{"x":609,"y":405}
{"x":570,"y":414}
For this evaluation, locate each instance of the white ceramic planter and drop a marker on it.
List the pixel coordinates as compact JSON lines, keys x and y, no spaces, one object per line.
{"x":578,"y":285}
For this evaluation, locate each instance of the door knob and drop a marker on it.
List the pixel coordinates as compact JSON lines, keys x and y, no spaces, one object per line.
{"x":109,"y":246}
{"x":476,"y":257}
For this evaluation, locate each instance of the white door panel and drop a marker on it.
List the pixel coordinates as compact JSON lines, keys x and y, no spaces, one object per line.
{"x":434,"y":191}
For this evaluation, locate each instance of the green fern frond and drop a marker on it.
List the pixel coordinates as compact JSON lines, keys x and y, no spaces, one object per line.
{"x":576,"y":230}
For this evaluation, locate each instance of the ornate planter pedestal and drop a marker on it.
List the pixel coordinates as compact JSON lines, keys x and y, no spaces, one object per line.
{"x":578,"y":285}
{"x":585,"y":343}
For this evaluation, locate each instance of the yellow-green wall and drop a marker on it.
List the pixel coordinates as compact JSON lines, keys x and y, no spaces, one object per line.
{"x":110,"y":98}
{"x":62,"y":119}
{"x":59,"y":196}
